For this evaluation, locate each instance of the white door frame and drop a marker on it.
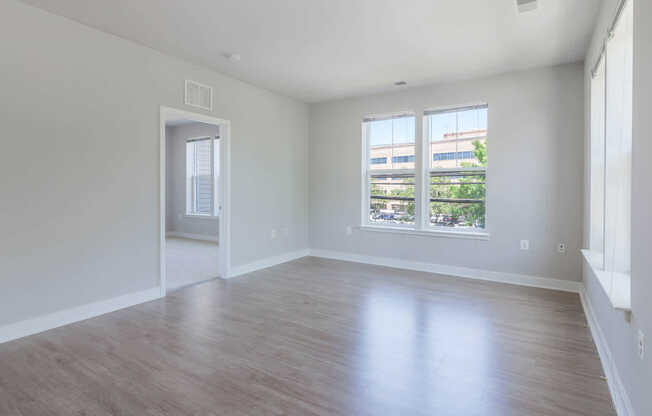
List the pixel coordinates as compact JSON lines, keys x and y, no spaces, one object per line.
{"x":224,"y":188}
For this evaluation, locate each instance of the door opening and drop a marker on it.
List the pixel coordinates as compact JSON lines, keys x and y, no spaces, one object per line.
{"x":195,"y":195}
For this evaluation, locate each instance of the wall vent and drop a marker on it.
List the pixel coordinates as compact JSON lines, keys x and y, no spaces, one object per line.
{"x":526,"y":5}
{"x":199,"y":95}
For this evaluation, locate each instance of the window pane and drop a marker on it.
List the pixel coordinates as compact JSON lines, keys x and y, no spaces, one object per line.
{"x":199,"y":177}
{"x":457,"y":199}
{"x":392,"y":143}
{"x":597,"y":162}
{"x":392,"y":199}
{"x":458,"y":138}
{"x":618,"y":150}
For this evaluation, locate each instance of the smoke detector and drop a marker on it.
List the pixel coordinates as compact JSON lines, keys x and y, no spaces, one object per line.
{"x":526,"y":5}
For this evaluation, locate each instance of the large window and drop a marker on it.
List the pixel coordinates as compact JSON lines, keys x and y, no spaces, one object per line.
{"x":611,"y":161}
{"x":390,"y":173}
{"x":202,"y":158}
{"x":434,"y":184}
{"x":457,"y":140}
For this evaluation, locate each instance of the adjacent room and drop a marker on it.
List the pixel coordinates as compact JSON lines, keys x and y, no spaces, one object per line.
{"x":304,"y":207}
{"x":192,"y":204}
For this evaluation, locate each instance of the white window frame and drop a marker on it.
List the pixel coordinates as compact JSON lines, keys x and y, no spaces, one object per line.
{"x":366,"y":173}
{"x":421,"y":173}
{"x":189,"y":198}
{"x":612,"y":270}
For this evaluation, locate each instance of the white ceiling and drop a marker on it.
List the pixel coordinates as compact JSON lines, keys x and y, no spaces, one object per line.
{"x":316,"y":50}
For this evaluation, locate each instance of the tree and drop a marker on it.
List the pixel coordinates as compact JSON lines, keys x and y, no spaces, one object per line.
{"x":467,"y":187}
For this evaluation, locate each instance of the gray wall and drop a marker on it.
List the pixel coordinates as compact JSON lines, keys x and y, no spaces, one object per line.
{"x":621,"y":332}
{"x":534,"y":173}
{"x":176,"y":221}
{"x":79,"y":212}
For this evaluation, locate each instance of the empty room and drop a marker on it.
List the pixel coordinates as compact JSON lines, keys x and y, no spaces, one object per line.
{"x":309,"y":207}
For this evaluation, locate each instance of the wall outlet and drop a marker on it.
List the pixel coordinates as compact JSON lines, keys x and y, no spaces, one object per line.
{"x":525,"y":244}
{"x":561,"y":248}
{"x":285,"y":231}
{"x":274,"y":234}
{"x":641,"y":344}
{"x":349,"y":230}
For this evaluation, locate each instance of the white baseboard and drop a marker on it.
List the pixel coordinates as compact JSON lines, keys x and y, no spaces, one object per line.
{"x":502,"y":277}
{"x":76,"y":314}
{"x":200,"y":237}
{"x":618,"y":393}
{"x":267,"y":262}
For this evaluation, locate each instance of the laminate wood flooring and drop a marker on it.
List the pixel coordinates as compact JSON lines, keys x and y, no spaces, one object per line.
{"x":318,"y":337}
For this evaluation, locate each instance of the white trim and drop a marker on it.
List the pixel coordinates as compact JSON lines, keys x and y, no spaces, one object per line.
{"x":268,"y":262}
{"x":451,"y":108}
{"x":617,"y":286}
{"x":200,"y":237}
{"x":472,"y":235}
{"x":224,"y":190}
{"x":619,"y":396}
{"x":79,"y":313}
{"x":458,"y":271}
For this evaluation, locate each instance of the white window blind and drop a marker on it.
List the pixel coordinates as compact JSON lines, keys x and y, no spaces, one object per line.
{"x":597,"y":164}
{"x":618,"y":147}
{"x":200,"y":186}
{"x":609,"y":253}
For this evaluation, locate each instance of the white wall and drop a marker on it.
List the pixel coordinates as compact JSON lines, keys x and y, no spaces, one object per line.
{"x":534,"y":173}
{"x":176,"y":220}
{"x":621,"y":331}
{"x":79,"y":205}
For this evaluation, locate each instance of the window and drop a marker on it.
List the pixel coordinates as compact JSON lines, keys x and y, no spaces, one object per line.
{"x":609,"y":251}
{"x":445,"y":192}
{"x":451,"y":156}
{"x":390,"y":187}
{"x":202,"y":158}
{"x":403,"y":159}
{"x":457,"y":139}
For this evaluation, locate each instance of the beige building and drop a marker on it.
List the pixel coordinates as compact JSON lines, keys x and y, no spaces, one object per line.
{"x":450,"y":152}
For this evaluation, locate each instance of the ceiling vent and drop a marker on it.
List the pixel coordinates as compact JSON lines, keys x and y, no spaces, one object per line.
{"x":199,"y":95}
{"x":526,"y":5}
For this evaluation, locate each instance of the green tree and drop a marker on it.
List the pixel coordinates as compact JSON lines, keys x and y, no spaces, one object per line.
{"x":468,"y":187}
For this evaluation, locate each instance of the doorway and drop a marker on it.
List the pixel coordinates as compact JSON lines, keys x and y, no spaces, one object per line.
{"x":195,"y":198}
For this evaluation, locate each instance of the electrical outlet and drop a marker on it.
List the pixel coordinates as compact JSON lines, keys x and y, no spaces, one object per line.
{"x":641,"y":344}
{"x":561,"y":248}
{"x":525,"y":244}
{"x":274,"y":234}
{"x":285,"y":231}
{"x":349,"y":230}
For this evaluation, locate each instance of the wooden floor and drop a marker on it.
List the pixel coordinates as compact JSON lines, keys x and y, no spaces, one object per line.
{"x":318,"y":337}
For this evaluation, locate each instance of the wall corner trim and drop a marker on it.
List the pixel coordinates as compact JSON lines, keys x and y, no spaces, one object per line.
{"x":53,"y":320}
{"x":619,"y":395}
{"x":457,"y":271}
{"x":268,"y":262}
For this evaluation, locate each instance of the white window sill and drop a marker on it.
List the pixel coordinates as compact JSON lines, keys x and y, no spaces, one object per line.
{"x":470,"y":235}
{"x":617,"y":286}
{"x":200,"y":217}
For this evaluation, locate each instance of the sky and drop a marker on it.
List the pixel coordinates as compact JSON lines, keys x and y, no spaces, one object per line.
{"x":402,"y":130}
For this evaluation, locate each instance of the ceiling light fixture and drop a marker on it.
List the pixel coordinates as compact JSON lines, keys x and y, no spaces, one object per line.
{"x":526,"y":5}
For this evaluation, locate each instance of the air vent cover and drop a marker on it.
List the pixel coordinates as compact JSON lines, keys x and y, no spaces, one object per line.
{"x":526,"y":5}
{"x":199,"y":95}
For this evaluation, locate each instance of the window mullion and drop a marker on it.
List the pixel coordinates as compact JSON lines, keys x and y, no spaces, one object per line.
{"x":421,"y":165}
